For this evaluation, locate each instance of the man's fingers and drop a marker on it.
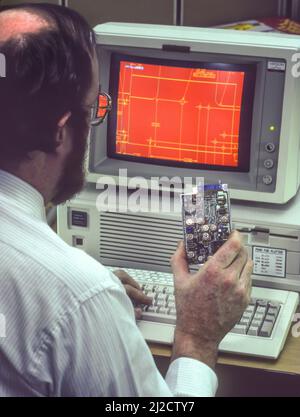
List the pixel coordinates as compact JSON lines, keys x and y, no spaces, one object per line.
{"x":137,"y":296}
{"x":126,"y":279}
{"x":179,"y":263}
{"x":239,"y":263}
{"x":138,"y":313}
{"x":229,"y":251}
{"x":132,"y":288}
{"x":245,"y":278}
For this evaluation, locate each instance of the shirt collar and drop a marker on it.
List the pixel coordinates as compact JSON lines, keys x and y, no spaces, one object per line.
{"x":14,"y":191}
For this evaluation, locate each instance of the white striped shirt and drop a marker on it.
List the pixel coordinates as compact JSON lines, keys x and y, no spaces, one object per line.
{"x":69,"y":325}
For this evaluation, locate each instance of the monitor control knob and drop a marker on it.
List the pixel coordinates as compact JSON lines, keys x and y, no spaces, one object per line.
{"x":270,"y":147}
{"x":267,"y":179}
{"x":268,"y":163}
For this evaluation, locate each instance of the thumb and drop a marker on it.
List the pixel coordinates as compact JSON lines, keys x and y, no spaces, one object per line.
{"x":179,"y":263}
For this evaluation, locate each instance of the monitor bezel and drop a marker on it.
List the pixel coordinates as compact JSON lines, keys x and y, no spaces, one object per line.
{"x":248,"y":97}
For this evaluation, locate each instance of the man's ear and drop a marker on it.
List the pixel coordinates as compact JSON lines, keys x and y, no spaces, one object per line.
{"x":62,"y":122}
{"x":61,"y":133}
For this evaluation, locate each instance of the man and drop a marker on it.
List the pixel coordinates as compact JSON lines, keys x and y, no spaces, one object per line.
{"x":70,"y":327}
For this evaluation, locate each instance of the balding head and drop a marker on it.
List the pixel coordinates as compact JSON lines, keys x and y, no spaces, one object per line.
{"x":15,"y":23}
{"x":46,"y":97}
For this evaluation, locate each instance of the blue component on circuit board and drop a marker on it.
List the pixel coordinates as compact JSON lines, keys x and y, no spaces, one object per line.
{"x":213,"y":187}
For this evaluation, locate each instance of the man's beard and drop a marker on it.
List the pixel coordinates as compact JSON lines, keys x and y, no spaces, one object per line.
{"x":72,"y":179}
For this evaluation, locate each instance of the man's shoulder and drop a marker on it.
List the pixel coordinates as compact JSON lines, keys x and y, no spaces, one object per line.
{"x":82,"y":273}
{"x":46,"y":286}
{"x":45,"y":256}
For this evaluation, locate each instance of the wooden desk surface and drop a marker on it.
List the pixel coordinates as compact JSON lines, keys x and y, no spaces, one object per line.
{"x":288,"y":362}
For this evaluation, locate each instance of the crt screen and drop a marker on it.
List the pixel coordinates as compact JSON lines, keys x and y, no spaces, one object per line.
{"x":189,"y":115}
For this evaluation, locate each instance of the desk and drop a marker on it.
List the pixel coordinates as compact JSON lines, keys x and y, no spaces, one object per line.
{"x":243,"y":376}
{"x":288,"y":362}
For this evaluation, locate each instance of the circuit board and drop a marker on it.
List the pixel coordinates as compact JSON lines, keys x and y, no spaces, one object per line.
{"x":206,"y":221}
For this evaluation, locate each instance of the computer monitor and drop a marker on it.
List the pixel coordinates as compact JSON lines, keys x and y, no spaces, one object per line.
{"x":195,"y":102}
{"x":210,"y":106}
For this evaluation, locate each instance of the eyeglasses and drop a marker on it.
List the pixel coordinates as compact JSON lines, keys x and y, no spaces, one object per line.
{"x":101,"y":109}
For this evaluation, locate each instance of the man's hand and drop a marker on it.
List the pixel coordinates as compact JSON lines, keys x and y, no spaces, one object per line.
{"x":211,"y":301}
{"x":134,"y":292}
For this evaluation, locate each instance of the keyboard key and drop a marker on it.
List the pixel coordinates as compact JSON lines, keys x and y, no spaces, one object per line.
{"x":273,"y":304}
{"x":160,"y":303}
{"x":262,"y":303}
{"x":261,"y":310}
{"x":258,"y":317}
{"x":270,"y":318}
{"x":250,"y":309}
{"x":273,"y":311}
{"x":172,"y":312}
{"x":253,"y":331}
{"x":171,"y":304}
{"x":266,"y":329}
{"x":256,"y":323}
{"x":151,"y":309}
{"x":151,"y":295}
{"x":244,"y":322}
{"x":248,"y":316}
{"x":163,"y":310}
{"x":161,"y":297}
{"x":239,"y":329}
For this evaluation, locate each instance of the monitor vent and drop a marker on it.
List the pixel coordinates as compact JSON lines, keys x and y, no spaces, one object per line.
{"x":138,"y":240}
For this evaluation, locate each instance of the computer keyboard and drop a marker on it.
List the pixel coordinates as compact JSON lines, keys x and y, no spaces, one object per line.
{"x":261,"y":331}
